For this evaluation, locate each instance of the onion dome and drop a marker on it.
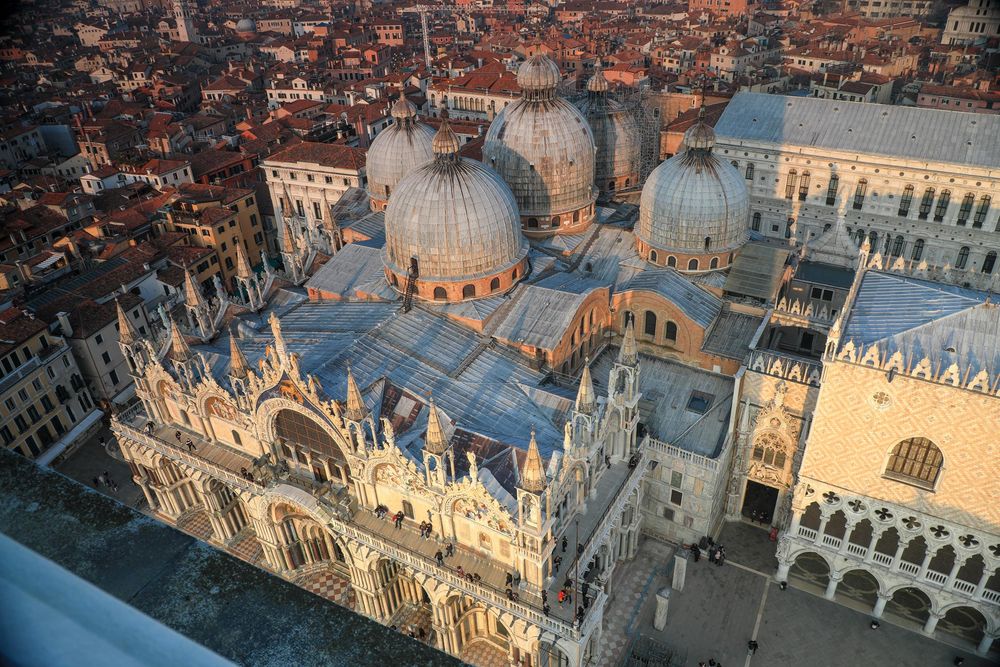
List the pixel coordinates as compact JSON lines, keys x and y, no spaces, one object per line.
{"x":458,"y":220}
{"x":616,"y":136}
{"x":543,"y":148}
{"x":396,"y":151}
{"x":694,"y":208}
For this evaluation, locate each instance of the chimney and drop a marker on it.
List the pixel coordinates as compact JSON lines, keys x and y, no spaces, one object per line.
{"x":67,"y":328}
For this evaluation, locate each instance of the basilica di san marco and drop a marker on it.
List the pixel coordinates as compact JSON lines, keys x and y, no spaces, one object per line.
{"x":467,"y":392}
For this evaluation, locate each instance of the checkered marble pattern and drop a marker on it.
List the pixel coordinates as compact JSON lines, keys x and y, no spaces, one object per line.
{"x":331,"y":586}
{"x":628,"y":592}
{"x":416,"y":617}
{"x":484,"y":653}
{"x":246,"y":547}
{"x":196,"y":523}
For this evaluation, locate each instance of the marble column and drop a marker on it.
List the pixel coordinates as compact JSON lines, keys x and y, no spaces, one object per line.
{"x":880,"y":603}
{"x":831,"y":587}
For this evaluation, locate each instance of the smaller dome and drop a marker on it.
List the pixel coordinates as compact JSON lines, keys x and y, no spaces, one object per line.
{"x":246,"y":25}
{"x":598,"y":82}
{"x":403,"y":109}
{"x":700,"y":136}
{"x":445,"y":142}
{"x":538,"y":73}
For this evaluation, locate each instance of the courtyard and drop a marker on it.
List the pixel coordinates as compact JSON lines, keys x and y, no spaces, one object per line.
{"x":722,"y":607}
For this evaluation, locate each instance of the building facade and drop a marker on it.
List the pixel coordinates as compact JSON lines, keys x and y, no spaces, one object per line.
{"x":881,"y":170}
{"x":908,"y":522}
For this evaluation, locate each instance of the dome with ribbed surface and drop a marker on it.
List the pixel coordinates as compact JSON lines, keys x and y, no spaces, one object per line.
{"x":246,"y":24}
{"x":457,"y":217}
{"x":396,"y":151}
{"x":616,"y":137}
{"x":543,"y":148}
{"x":694,"y":205}
{"x":538,"y":74}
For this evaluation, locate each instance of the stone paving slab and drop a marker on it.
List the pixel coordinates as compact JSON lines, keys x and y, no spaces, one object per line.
{"x":715,"y":615}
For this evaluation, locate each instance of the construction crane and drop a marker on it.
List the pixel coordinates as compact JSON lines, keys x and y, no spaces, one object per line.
{"x":422,"y":10}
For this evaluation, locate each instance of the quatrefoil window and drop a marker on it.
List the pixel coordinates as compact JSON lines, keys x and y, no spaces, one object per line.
{"x":810,"y":490}
{"x":995,"y":550}
{"x":940,"y":532}
{"x":968,"y":541}
{"x":883,"y":514}
{"x":911,"y":523}
{"x":857,"y":505}
{"x":831,"y":497}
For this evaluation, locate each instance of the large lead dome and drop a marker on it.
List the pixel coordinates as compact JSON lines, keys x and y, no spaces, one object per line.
{"x":458,"y":220}
{"x":616,"y":136}
{"x":396,"y":151}
{"x":694,"y":207}
{"x":543,"y":148}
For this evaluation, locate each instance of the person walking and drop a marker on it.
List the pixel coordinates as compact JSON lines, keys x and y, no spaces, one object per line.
{"x":565,"y":543}
{"x":449,"y":550}
{"x":439,"y":557}
{"x":398,"y":519}
{"x":561,"y":597}
{"x":695,"y":552}
{"x":177,"y":434}
{"x":752,"y":646}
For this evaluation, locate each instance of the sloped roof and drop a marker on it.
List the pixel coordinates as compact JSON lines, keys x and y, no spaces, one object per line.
{"x":698,"y":304}
{"x":756,"y":271}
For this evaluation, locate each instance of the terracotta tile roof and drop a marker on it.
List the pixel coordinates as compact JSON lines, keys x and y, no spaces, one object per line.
{"x":327,"y":155}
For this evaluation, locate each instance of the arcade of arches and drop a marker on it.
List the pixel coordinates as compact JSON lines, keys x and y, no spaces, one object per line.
{"x":918,"y":577}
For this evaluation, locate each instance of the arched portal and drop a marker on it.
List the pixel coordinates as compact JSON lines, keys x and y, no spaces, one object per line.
{"x":910,"y":603}
{"x":306,"y":441}
{"x":812,"y":568}
{"x":967,"y":623}
{"x":859,"y":585}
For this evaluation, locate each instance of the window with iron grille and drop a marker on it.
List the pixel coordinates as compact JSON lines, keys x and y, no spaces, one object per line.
{"x":925,"y":203}
{"x":905,"y":200}
{"x":915,"y":461}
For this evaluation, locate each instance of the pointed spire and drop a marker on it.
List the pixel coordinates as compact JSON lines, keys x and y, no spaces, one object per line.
{"x":126,"y":332}
{"x":192,"y":295}
{"x":279,"y":339}
{"x":629,"y":352}
{"x":243,"y":270}
{"x":585,"y":403}
{"x":435,"y":442}
{"x":355,"y":404}
{"x":238,"y":366}
{"x":179,"y":350}
{"x":287,"y":240}
{"x":533,"y":472}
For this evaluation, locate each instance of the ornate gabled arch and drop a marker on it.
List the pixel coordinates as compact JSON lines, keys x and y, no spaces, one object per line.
{"x":268,"y":411}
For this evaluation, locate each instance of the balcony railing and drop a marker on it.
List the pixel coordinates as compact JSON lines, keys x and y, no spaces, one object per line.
{"x":129,"y":423}
{"x":684,"y":455}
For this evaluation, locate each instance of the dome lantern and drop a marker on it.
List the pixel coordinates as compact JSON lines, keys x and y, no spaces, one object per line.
{"x":538,"y":78}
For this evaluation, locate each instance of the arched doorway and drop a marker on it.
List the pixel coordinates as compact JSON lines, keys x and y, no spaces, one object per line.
{"x":811,"y":568}
{"x":910,"y":603}
{"x":305,"y":441}
{"x":479,"y":636}
{"x":859,"y":585}
{"x":966,"y":623}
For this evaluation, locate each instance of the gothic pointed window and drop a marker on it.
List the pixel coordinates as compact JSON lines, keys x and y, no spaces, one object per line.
{"x":916,"y":461}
